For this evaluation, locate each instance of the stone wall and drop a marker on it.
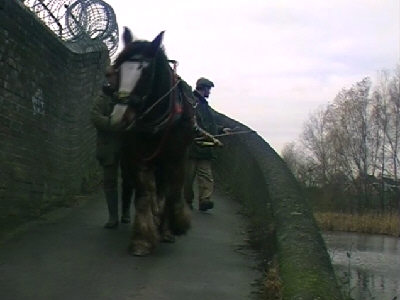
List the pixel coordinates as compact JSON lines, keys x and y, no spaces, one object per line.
{"x":282,"y":221}
{"x":47,"y":142}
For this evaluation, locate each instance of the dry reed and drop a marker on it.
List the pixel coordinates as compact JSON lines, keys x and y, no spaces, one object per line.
{"x":364,"y":223}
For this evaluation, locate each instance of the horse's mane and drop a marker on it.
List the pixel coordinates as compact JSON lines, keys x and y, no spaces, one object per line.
{"x":162,"y":77}
{"x":138,"y":47}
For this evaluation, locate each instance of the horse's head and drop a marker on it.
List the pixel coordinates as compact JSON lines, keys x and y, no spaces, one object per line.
{"x":132,"y":77}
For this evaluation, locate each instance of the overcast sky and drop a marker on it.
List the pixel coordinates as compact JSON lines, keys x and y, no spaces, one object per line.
{"x":273,"y":62}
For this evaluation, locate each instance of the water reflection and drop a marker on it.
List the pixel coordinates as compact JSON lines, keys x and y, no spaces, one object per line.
{"x":367,"y":266}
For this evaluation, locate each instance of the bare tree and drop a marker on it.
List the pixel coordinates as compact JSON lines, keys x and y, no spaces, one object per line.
{"x":345,"y":139}
{"x":381,"y":118}
{"x":393,"y":129}
{"x":315,"y":140}
{"x":357,"y":123}
{"x":352,"y":140}
{"x":300,"y":164}
{"x":394,"y":90}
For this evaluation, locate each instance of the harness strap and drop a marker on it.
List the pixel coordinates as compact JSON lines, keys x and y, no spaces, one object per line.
{"x":176,"y":110}
{"x":147,"y":111}
{"x":159,"y":100}
{"x":163,"y":139}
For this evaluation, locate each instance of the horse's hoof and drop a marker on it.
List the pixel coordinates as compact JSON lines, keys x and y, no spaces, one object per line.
{"x":140,"y":250}
{"x":156,"y":221}
{"x":168,"y":238}
{"x":181,"y":221}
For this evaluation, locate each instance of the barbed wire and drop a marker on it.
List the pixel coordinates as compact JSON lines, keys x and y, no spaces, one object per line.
{"x":81,"y":23}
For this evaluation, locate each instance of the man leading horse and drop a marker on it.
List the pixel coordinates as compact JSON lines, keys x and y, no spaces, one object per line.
{"x":108,"y":153}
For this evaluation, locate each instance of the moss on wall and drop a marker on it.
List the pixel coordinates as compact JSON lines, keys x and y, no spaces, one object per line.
{"x":255,"y":174}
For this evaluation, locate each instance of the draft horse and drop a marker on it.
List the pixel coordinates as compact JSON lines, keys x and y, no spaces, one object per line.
{"x":155,"y":106}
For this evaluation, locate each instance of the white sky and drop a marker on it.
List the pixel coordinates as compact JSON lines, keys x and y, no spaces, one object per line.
{"x":273,"y":61}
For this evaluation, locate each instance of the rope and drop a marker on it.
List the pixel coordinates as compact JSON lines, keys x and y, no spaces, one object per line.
{"x":170,"y":117}
{"x":159,"y":100}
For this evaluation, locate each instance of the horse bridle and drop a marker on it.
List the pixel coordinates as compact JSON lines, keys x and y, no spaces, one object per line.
{"x":124,"y":98}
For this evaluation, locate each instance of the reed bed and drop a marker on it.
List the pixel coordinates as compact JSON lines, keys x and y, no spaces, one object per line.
{"x":372,"y":223}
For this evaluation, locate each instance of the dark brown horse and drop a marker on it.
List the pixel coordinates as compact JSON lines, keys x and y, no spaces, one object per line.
{"x":157,"y":109}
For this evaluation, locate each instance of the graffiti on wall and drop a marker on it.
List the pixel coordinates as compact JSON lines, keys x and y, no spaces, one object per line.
{"x":38,"y":103}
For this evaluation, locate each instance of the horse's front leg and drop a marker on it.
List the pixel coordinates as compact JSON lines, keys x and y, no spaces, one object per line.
{"x":160,"y":217}
{"x":177,"y":212}
{"x":165,"y":228}
{"x":145,"y":234}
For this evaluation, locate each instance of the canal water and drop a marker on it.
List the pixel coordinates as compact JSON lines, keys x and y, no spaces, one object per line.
{"x":367,"y":266}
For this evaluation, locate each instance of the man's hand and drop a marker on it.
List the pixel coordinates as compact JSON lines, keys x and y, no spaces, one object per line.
{"x":217,"y":142}
{"x":227,"y":130}
{"x":121,"y":125}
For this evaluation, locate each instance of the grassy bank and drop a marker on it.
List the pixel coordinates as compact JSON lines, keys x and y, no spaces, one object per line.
{"x":366,"y":223}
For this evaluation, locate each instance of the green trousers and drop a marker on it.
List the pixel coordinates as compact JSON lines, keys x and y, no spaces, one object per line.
{"x":110,"y":185}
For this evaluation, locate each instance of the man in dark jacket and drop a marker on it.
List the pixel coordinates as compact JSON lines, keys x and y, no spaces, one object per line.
{"x":199,"y":162}
{"x":108,"y":153}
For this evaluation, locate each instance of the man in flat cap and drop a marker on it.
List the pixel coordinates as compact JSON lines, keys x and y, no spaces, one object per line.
{"x":199,"y":162}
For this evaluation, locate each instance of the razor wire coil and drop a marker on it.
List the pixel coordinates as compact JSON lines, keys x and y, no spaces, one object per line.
{"x":81,"y":22}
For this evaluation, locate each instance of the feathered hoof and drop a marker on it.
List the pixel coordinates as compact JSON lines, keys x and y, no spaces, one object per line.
{"x":167,"y":237}
{"x":157,"y":221}
{"x":140,"y":249}
{"x":181,"y":221}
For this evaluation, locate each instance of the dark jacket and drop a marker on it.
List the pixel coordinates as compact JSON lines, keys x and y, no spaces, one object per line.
{"x":205,"y":119}
{"x":109,"y":141}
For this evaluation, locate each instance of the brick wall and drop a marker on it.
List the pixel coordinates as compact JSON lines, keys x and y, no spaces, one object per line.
{"x":47,"y":142}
